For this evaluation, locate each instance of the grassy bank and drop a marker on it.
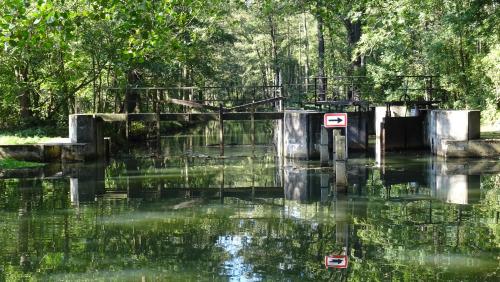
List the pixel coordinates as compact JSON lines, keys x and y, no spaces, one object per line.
{"x":15,"y":164}
{"x":29,"y":135}
{"x":19,"y":140}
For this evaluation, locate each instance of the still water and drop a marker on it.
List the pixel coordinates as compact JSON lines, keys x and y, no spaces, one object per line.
{"x":189,"y":215}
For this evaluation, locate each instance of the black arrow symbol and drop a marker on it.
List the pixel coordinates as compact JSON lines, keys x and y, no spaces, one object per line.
{"x":338,"y":261}
{"x":338,"y":120}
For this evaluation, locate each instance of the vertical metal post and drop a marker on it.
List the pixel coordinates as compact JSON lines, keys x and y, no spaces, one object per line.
{"x":252,"y":121}
{"x":222,"y":183}
{"x":253,"y":175}
{"x":147,"y":100}
{"x":127,"y":122}
{"x":315,"y":89}
{"x":429,"y":89}
{"x":158,"y":121}
{"x":221,"y":129}
{"x":280,"y":101}
{"x":191,"y":96}
{"x":323,"y":149}
{"x":115,"y":104}
{"x":282,"y":145}
{"x":346,"y":143}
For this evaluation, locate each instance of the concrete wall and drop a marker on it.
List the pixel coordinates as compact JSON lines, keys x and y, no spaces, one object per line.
{"x":86,"y":182}
{"x":86,"y":142}
{"x":49,"y":170}
{"x":302,"y":133}
{"x":31,"y":152}
{"x":439,"y":130}
{"x":46,"y":153}
{"x":86,"y":129}
{"x":454,"y":182}
{"x":481,"y":148}
{"x":303,"y":184}
{"x":456,"y":125}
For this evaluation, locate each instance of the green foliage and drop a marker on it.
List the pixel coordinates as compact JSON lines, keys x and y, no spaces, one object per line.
{"x":59,"y":57}
{"x":16,"y":140}
{"x":30,"y":135}
{"x":456,"y":40}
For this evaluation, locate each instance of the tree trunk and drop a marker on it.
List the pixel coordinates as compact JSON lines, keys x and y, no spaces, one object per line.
{"x":70,"y":97}
{"x":94,"y":86}
{"x":274,"y":47}
{"x":132,"y":98}
{"x":321,"y":59}
{"x":24,"y":96}
{"x":353,"y":36}
{"x":262,"y":67}
{"x":306,"y":70}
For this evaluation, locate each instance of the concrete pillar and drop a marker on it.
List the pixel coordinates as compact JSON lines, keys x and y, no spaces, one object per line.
{"x":302,"y":134}
{"x":221,"y":129}
{"x":107,"y":147}
{"x":340,"y":160}
{"x":86,"y":182}
{"x":301,"y":184}
{"x":379,"y":153}
{"x":88,"y":129}
{"x":457,"y":188}
{"x":341,"y":175}
{"x":342,"y":221}
{"x":73,"y":190}
{"x":457,"y":125}
{"x":325,"y":187}
{"x":340,"y":148}
{"x":456,"y":182}
{"x":323,"y":147}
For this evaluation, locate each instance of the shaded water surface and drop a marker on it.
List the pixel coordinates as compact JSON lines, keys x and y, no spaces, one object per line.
{"x":189,"y":215}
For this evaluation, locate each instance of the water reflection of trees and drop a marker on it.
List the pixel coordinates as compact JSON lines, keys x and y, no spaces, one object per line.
{"x":397,"y":237}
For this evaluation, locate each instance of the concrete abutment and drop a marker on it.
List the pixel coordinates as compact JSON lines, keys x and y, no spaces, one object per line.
{"x":306,"y":138}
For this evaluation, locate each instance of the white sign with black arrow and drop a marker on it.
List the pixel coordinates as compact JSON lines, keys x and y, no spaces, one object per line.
{"x":335,"y":120}
{"x":336,"y":261}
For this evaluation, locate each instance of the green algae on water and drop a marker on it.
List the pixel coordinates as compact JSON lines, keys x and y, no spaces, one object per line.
{"x":15,"y":164}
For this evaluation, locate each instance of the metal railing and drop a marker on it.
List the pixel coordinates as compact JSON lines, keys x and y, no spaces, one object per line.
{"x":336,"y":88}
{"x":145,"y":99}
{"x":312,"y":91}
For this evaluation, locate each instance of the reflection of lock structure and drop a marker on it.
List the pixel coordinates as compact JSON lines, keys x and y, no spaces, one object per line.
{"x":86,"y":182}
{"x":455,"y":181}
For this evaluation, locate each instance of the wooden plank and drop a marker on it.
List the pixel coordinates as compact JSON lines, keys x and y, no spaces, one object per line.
{"x":190,"y":104}
{"x":188,"y":117}
{"x":151,"y":117}
{"x":253,"y":104}
{"x":215,"y":116}
{"x":245,"y":189}
{"x":257,"y":116}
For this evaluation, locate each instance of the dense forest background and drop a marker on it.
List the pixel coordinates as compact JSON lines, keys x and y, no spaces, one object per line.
{"x":61,"y":56}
